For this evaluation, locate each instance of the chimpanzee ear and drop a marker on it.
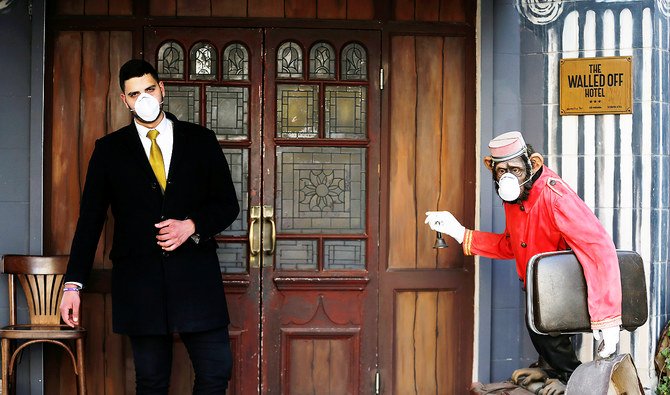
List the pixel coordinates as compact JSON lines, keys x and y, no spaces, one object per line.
{"x":488,"y":162}
{"x":536,"y":161}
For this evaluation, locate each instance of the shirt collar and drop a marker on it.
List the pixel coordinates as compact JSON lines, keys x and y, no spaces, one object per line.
{"x":164,"y":128}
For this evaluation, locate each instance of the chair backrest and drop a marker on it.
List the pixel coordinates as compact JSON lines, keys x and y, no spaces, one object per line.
{"x":41,"y":279}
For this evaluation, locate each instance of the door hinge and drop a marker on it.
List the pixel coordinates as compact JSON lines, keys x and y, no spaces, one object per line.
{"x":378,"y":383}
{"x":381,"y":79}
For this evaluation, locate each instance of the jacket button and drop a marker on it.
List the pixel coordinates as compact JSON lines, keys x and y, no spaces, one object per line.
{"x":162,"y":217}
{"x":523,"y":244}
{"x":552,"y":182}
{"x":522,"y":208}
{"x":166,"y":254}
{"x":154,"y":185}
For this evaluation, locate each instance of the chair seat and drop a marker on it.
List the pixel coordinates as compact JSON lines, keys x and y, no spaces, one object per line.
{"x":27,"y":331}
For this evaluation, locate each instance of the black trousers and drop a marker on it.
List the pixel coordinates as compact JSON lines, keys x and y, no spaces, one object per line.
{"x":558,"y":352}
{"x":209,"y":352}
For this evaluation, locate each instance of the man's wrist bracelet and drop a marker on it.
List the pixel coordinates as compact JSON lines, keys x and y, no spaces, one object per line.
{"x":75,"y":289}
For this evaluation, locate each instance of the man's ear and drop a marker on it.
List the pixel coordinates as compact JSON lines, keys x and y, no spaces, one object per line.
{"x":123,"y":99}
{"x":536,"y":161}
{"x":488,"y":162}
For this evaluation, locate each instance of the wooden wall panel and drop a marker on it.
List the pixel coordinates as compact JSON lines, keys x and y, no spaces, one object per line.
{"x":163,"y":7}
{"x":86,"y":106}
{"x":332,"y":9}
{"x":361,"y":9}
{"x":432,"y":10}
{"x":193,"y":8}
{"x":96,"y":7}
{"x":427,"y":10}
{"x":424,"y":344}
{"x":121,"y":7}
{"x":229,"y":8}
{"x":402,"y":171}
{"x":429,"y":135}
{"x":300,"y":8}
{"x":455,"y":11}
{"x":320,"y":366}
{"x":266,"y":8}
{"x":62,"y":210}
{"x":456,"y":156}
{"x":70,"y":7}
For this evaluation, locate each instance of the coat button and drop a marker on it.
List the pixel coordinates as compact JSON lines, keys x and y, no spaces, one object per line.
{"x":166,"y":254}
{"x":162,"y":217}
{"x":522,"y":208}
{"x":552,"y":182}
{"x":523,"y":244}
{"x":154,"y":185}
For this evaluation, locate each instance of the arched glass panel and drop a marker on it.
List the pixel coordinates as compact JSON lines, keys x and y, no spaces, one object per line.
{"x":354,"y":63}
{"x":322,"y":61}
{"x":235,"y":63}
{"x":289,"y":60}
{"x":203,"y":62}
{"x":170,"y":62}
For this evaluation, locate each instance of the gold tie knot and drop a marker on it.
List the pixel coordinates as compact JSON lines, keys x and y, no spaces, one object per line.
{"x":152,"y":134}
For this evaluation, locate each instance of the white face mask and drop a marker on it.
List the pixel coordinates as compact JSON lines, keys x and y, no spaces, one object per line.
{"x":147,"y":108}
{"x":509,"y":188}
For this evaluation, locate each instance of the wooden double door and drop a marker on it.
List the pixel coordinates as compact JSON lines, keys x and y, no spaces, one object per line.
{"x":296,"y":112}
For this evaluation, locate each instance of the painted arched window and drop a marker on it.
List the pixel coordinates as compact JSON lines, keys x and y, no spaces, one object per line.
{"x":354,"y":63}
{"x":322,"y":61}
{"x":289,"y":60}
{"x":170,"y":61}
{"x":203,"y":62}
{"x":235,"y":63}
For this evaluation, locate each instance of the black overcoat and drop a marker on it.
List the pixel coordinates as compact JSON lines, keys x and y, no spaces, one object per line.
{"x":157,"y":292}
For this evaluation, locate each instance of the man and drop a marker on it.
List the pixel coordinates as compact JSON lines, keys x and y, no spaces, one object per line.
{"x":543,"y":214}
{"x":170,"y":192}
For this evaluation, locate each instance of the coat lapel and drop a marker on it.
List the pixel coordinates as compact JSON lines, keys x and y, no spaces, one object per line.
{"x":178,"y":147}
{"x":137,"y":153}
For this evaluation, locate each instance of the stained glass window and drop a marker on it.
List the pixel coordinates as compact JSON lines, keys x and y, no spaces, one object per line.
{"x":228,"y":111}
{"x":203,"y":62}
{"x":289,"y":60}
{"x":235,"y":63}
{"x":297,"y":111}
{"x":345,"y":112}
{"x":183,"y":101}
{"x":232,"y":257}
{"x":322,"y":61}
{"x":170,"y":62}
{"x":320,"y":190}
{"x":238,"y":162}
{"x":354,"y":63}
{"x":344,"y":254}
{"x":296,"y":255}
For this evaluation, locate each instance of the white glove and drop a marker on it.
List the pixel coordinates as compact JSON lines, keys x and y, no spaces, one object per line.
{"x":610,"y":337}
{"x":444,"y":222}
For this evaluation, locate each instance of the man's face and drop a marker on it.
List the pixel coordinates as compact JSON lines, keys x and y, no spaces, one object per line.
{"x":133,"y":87}
{"x":516,"y":166}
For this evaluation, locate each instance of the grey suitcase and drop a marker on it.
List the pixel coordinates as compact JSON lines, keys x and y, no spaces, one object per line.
{"x":556,"y":293}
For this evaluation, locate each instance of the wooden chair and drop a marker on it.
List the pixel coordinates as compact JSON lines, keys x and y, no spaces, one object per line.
{"x":41,"y":278}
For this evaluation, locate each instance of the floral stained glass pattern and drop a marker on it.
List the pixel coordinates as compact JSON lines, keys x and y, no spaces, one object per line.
{"x":322,"y":61}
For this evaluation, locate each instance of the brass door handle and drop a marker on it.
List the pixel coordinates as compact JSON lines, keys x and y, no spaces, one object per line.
{"x":268,"y":216}
{"x":254,"y":239}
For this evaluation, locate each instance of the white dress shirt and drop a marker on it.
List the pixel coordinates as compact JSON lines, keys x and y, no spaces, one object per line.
{"x":164,"y":140}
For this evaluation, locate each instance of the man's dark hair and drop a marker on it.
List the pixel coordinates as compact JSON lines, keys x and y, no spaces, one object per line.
{"x":135,"y":68}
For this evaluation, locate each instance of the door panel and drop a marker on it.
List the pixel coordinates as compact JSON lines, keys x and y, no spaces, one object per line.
{"x":321,"y":129}
{"x":309,"y":205}
{"x":428,"y":294}
{"x":213,"y":77}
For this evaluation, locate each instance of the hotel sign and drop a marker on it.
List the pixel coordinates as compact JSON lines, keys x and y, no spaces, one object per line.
{"x":596,"y":85}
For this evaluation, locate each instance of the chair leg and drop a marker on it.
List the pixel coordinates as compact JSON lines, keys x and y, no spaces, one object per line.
{"x":5,"y":366}
{"x":81,"y":376}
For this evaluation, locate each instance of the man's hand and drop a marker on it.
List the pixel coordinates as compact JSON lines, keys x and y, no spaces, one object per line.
{"x":173,"y":233}
{"x":610,"y":338}
{"x":69,"y":308}
{"x":444,"y":222}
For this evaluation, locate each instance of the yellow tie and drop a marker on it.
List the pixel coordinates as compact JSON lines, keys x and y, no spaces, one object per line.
{"x":156,"y":158}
